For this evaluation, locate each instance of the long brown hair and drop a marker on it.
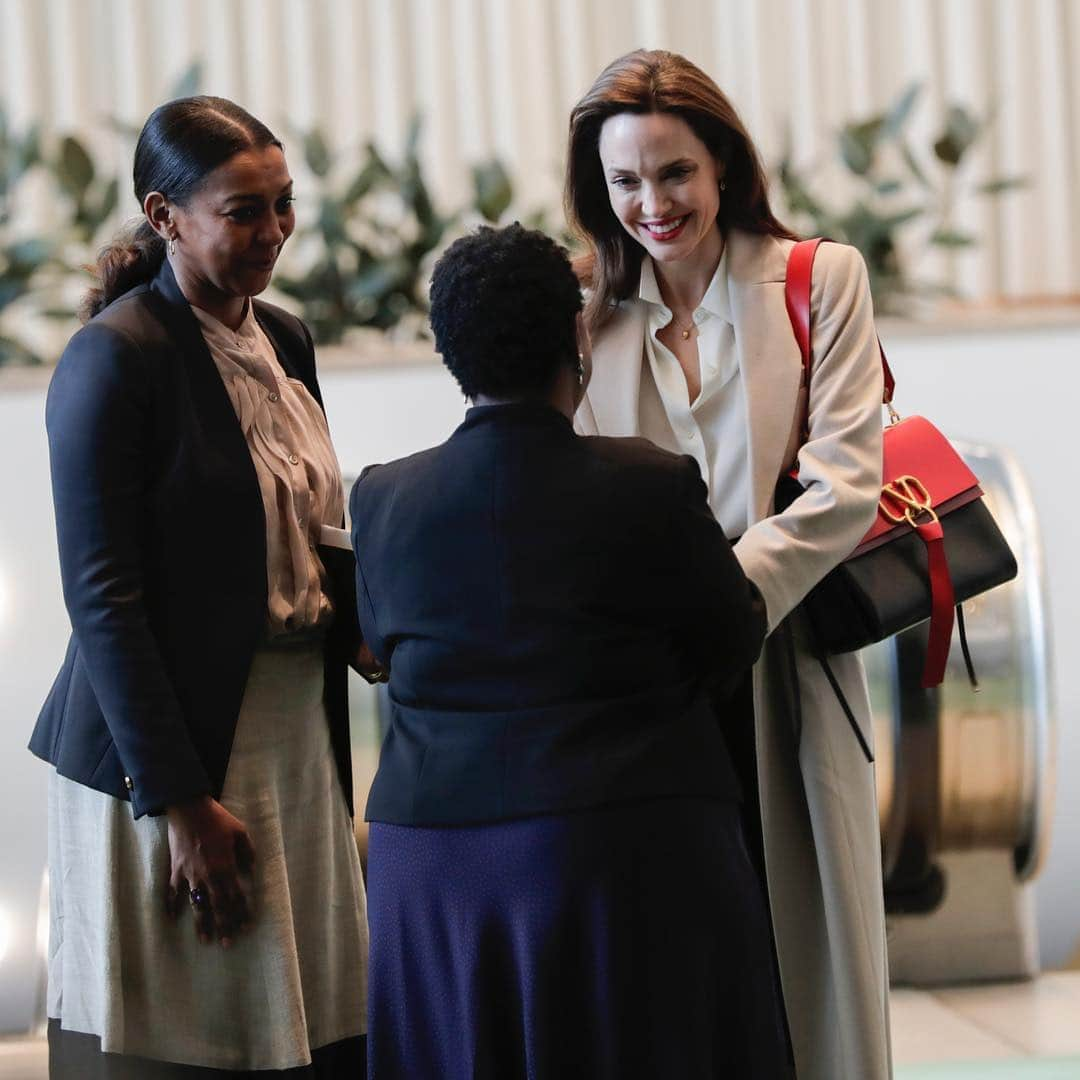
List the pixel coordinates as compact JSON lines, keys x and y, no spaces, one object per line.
{"x":653,"y":82}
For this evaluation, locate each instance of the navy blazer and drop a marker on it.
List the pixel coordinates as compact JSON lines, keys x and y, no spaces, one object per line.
{"x":162,"y":538}
{"x":556,"y":611}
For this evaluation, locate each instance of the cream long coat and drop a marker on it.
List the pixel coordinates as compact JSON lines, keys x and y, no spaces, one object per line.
{"x":818,"y":803}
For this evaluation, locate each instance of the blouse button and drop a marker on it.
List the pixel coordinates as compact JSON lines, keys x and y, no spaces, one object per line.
{"x":294,"y":460}
{"x":274,"y":396}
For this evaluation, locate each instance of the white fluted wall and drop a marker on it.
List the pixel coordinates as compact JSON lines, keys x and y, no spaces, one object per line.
{"x":497,"y":77}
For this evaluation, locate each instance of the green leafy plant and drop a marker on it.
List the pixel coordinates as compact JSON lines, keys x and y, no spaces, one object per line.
{"x":35,"y":269}
{"x":21,"y":258}
{"x":362,"y":260}
{"x":895,"y":193}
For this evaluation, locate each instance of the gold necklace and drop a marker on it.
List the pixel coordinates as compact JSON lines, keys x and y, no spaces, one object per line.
{"x":686,"y":331}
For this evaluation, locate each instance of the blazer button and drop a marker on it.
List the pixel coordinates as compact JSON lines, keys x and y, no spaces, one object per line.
{"x":128,"y":783}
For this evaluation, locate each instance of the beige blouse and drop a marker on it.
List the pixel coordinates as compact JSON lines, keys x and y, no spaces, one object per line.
{"x":298,"y":472}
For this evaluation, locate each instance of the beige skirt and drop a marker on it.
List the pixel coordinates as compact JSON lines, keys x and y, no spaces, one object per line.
{"x":297,"y":980}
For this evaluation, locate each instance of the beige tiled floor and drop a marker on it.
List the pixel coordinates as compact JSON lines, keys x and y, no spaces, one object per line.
{"x":972,"y":1023}
{"x":23,"y":1060}
{"x":988,"y":1023}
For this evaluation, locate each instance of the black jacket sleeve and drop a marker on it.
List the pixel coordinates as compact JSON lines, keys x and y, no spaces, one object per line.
{"x":98,"y":417}
{"x":722,"y":615}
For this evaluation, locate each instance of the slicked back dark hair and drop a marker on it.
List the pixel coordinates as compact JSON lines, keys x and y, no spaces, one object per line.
{"x":503,"y":310}
{"x":180,"y":144}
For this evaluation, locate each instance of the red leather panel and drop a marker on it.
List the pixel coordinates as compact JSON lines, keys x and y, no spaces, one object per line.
{"x":914,"y":447}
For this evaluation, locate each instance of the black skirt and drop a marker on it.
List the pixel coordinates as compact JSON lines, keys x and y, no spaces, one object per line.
{"x":74,"y":1056}
{"x":629,"y":941}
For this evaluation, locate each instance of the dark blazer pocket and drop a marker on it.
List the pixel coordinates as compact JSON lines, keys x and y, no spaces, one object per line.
{"x":49,"y":727}
{"x":85,"y":739}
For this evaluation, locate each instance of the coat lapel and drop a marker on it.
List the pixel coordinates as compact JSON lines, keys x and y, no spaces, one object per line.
{"x":214,"y":412}
{"x":610,"y":406}
{"x":768,"y":359}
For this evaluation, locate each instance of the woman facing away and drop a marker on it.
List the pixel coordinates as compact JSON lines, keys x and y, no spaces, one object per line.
{"x":693,"y":349}
{"x":558,"y":885}
{"x":208,"y":913}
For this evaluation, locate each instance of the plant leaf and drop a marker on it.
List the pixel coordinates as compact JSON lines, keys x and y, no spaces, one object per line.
{"x":891,"y":222}
{"x":492,"y":190}
{"x":379,"y":279}
{"x":188,"y":83}
{"x":26,"y":256}
{"x":124,"y":128}
{"x":857,"y":145}
{"x":1001,"y":184}
{"x":913,"y":164}
{"x":110,"y":197}
{"x":961,"y":131}
{"x":316,"y":153}
{"x":75,"y":168}
{"x":952,"y":239}
{"x":412,"y":137}
{"x":14,"y":352}
{"x":898,"y":113}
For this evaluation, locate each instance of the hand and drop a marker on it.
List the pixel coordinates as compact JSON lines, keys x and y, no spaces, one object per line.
{"x":211,"y":858}
{"x":366,"y":663}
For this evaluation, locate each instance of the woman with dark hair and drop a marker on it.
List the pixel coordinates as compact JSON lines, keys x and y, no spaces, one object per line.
{"x":558,"y":887}
{"x":693,"y":349}
{"x":199,"y":726}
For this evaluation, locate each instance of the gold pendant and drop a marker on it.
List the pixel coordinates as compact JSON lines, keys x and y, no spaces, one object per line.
{"x":686,"y":335}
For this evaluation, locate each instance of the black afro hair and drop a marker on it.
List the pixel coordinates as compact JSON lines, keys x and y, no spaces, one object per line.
{"x":503,"y":308}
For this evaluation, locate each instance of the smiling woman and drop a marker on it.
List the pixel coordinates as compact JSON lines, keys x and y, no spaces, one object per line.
{"x":693,"y":349}
{"x":199,"y":724}
{"x":227,"y":236}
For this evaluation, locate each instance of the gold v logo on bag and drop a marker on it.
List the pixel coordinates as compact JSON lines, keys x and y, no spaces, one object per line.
{"x":904,"y":499}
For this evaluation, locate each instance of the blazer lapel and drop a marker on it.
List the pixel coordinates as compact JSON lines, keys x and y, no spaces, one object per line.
{"x":769,"y":359}
{"x":213,"y":411}
{"x":610,"y":406}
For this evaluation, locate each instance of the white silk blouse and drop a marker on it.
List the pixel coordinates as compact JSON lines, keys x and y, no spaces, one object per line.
{"x":712,"y":429}
{"x":297,"y":469}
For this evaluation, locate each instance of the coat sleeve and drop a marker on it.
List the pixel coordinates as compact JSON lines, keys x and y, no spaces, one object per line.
{"x":787,"y":554}
{"x":365,"y":608}
{"x":98,"y":420}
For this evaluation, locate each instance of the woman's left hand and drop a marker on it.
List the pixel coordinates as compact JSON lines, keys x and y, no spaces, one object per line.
{"x":369,"y":666}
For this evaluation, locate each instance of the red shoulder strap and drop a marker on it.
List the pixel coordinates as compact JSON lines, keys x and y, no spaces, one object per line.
{"x":797,"y":295}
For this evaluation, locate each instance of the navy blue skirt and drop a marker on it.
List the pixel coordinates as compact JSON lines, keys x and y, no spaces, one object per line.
{"x":628,"y":941}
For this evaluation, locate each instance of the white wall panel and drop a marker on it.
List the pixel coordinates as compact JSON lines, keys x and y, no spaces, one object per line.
{"x":968,"y":62}
{"x":1056,"y":199}
{"x":499,"y":76}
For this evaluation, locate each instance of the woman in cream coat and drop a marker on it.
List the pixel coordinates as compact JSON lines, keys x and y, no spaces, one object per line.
{"x":666,"y":187}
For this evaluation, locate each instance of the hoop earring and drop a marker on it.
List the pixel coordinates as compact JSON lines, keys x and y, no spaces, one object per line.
{"x":171,"y":245}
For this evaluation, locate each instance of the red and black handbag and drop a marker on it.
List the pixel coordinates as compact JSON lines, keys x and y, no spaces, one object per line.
{"x":932,"y":545}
